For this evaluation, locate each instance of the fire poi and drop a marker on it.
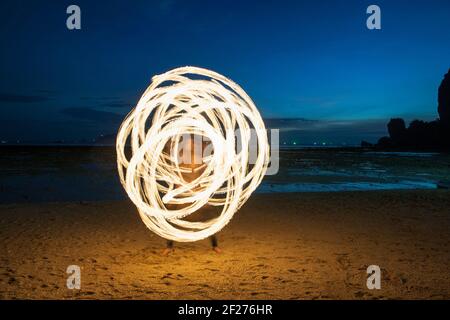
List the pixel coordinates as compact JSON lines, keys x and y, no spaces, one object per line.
{"x":197,"y":102}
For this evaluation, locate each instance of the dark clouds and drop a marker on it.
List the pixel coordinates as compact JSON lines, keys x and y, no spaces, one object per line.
{"x":22,"y":98}
{"x":303,"y":131}
{"x":111,"y":102}
{"x":117,"y":104}
{"x":90,"y":114}
{"x":286,"y":123}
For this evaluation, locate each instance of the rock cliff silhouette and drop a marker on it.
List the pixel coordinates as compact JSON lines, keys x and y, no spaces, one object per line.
{"x":421,"y":134}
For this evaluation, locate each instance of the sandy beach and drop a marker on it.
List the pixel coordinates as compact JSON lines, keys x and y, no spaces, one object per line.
{"x":279,"y":246}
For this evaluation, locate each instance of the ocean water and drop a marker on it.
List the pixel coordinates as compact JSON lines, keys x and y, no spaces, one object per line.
{"x":43,"y":174}
{"x":333,"y":169}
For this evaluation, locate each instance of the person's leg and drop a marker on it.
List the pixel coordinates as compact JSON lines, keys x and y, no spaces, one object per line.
{"x":169,"y":248}
{"x":215,"y":244}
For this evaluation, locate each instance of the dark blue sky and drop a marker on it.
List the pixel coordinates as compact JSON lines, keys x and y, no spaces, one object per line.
{"x":313,"y":60}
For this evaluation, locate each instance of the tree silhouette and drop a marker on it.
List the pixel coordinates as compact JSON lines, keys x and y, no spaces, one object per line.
{"x":444,"y":100}
{"x":397,"y":130}
{"x":417,"y":133}
{"x":384,"y":142}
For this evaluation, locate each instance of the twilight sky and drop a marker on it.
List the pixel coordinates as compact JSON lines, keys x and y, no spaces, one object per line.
{"x":311,"y":65}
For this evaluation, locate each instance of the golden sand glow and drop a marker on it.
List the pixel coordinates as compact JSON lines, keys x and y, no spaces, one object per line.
{"x":200,"y":102}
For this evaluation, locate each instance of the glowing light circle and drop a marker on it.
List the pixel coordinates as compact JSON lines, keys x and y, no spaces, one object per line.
{"x":194,"y":101}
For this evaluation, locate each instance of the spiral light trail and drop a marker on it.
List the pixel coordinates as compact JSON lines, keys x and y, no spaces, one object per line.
{"x":196,"y":102}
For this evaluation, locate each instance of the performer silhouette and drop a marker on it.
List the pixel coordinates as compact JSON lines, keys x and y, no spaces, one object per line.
{"x":194,"y":163}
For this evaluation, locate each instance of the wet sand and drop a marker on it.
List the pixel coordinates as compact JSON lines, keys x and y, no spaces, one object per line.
{"x":279,"y":246}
